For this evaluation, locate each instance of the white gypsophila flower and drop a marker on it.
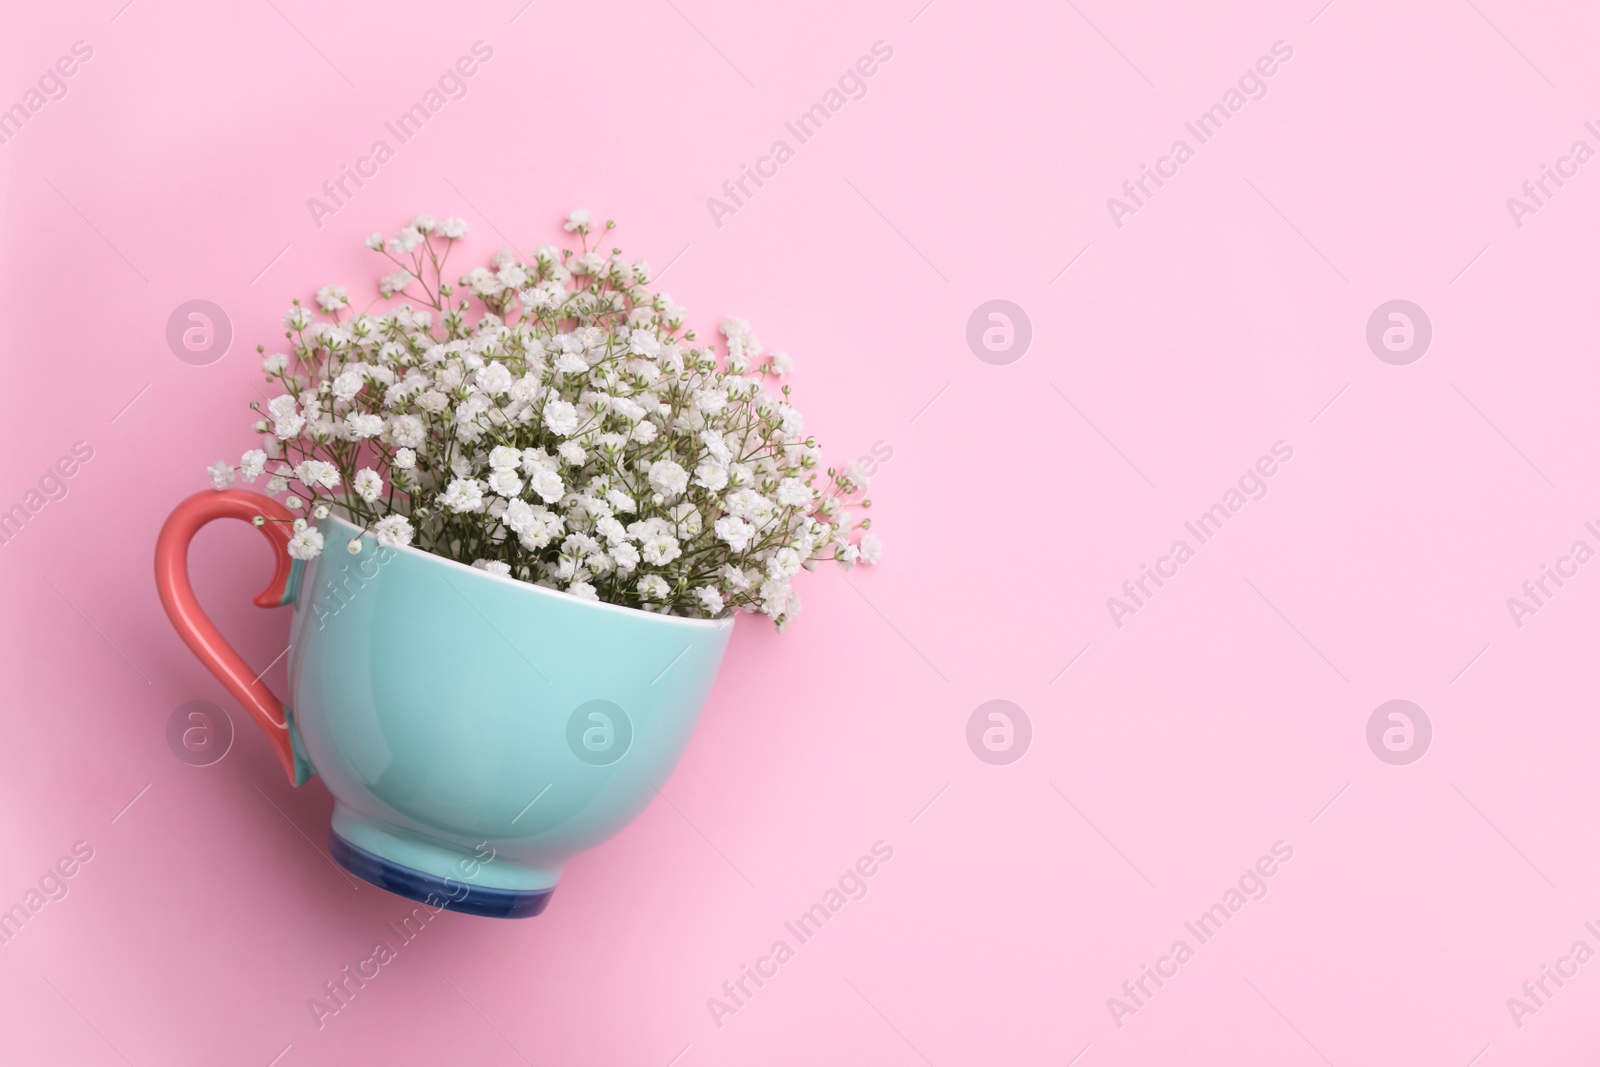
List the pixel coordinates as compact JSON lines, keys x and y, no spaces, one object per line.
{"x":775,"y":593}
{"x":667,"y":478}
{"x":408,"y":431}
{"x":711,"y":474}
{"x":519,"y":516}
{"x":735,"y":531}
{"x":375,"y":241}
{"x":659,"y":551}
{"x":306,"y":543}
{"x":463,"y":495}
{"x":505,"y":483}
{"x":393,"y":531}
{"x":348,"y":384}
{"x":785,"y":563}
{"x":717,"y":445}
{"x":561,"y":417}
{"x":368,"y":484}
{"x":221,"y":474}
{"x":332,"y":297}
{"x":404,"y":241}
{"x":710,"y":600}
{"x":493,"y":566}
{"x":749,"y":504}
{"x":547,"y":483}
{"x":390,"y":284}
{"x":794,"y":493}
{"x":364,"y":425}
{"x":554,"y":416}
{"x":317,"y":474}
{"x":576,"y":218}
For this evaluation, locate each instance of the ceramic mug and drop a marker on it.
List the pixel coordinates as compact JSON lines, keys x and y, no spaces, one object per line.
{"x":475,"y":731}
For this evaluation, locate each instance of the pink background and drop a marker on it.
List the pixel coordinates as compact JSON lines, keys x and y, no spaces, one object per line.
{"x":1225,"y":716}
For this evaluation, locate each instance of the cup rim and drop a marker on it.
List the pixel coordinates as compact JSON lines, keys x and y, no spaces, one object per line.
{"x":540,"y":590}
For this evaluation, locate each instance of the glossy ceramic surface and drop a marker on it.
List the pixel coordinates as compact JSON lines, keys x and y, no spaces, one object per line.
{"x":477,"y":731}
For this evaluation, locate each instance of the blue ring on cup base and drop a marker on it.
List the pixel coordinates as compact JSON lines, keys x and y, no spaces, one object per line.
{"x":435,"y":891}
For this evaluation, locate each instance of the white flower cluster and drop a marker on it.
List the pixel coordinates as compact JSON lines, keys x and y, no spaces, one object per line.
{"x":561,"y":428}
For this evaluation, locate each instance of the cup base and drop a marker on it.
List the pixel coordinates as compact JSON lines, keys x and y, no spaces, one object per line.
{"x":430,"y":889}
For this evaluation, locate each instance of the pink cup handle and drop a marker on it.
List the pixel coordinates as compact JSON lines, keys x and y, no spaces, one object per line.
{"x":197,"y":629}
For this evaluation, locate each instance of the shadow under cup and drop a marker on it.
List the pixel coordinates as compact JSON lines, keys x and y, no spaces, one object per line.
{"x":477,"y":731}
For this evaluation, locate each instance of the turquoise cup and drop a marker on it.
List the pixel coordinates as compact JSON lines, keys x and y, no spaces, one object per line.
{"x":476,"y":732}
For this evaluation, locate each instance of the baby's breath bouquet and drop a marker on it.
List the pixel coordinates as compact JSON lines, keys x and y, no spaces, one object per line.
{"x":551,"y":420}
